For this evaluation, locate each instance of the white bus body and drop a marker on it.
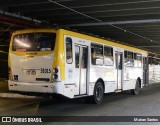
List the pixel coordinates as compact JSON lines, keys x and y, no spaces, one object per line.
{"x":81,"y":66}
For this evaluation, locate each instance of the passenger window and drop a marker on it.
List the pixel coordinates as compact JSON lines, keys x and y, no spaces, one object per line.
{"x":69,"y":57}
{"x":97,"y":54}
{"x":137,"y":56}
{"x":77,"y":52}
{"x":137,"y":60}
{"x":120,"y":61}
{"x":129,"y":61}
{"x":84,"y":57}
{"x":125,"y":54}
{"x":130,"y":55}
{"x":108,"y":56}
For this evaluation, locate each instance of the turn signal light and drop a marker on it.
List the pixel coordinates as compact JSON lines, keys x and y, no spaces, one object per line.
{"x":56,"y":70}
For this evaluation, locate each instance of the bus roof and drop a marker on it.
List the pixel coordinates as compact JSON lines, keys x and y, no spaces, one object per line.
{"x":32,"y":30}
{"x":84,"y":36}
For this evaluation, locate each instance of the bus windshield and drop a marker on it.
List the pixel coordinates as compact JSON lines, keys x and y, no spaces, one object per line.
{"x":33,"y":42}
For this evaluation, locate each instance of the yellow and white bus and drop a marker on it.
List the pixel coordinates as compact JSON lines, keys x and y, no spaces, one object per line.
{"x":58,"y":61}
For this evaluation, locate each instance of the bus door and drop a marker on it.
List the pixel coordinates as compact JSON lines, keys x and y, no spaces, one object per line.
{"x":81,"y":65}
{"x":145,"y":71}
{"x":119,"y":73}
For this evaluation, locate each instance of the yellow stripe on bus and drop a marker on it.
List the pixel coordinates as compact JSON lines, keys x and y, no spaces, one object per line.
{"x":103,"y":41}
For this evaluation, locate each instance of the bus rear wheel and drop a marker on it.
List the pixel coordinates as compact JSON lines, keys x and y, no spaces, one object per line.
{"x":137,"y":88}
{"x":98,"y":93}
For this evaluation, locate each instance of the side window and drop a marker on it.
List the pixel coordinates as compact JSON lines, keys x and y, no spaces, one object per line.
{"x":108,"y":56}
{"x":77,"y":53}
{"x":69,"y":57}
{"x":84,"y":57}
{"x":129,"y":61}
{"x":125,"y":54}
{"x":97,"y":54}
{"x":120,"y":61}
{"x":138,"y":57}
{"x":137,"y":60}
{"x":130,"y":55}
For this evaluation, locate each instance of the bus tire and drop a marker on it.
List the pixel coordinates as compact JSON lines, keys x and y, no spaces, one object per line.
{"x":98,"y":93}
{"x":137,"y":88}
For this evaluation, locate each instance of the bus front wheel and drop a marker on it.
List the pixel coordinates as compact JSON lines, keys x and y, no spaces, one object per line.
{"x":98,"y":93}
{"x":137,"y":88}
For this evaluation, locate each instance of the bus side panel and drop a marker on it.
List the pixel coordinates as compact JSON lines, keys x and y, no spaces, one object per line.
{"x":107,"y":74}
{"x":130,"y":77}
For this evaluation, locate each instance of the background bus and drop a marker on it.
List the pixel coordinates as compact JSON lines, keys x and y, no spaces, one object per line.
{"x":73,"y":64}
